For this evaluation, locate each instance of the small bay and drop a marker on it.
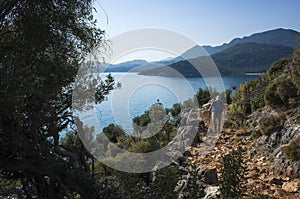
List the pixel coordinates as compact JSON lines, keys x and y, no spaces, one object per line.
{"x":137,"y":93}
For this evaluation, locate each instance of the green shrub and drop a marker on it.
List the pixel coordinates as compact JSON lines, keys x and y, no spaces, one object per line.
{"x":236,"y":116}
{"x":285,"y":88}
{"x":270,"y":123}
{"x":192,"y":189}
{"x":257,"y":102}
{"x":175,"y":110}
{"x":164,"y":183}
{"x":292,"y":151}
{"x":277,"y":69}
{"x":203,"y":96}
{"x":232,"y":173}
{"x":140,"y":147}
{"x":130,"y":185}
{"x":254,"y":124}
{"x":241,"y":101}
{"x":295,"y":72}
{"x":255,"y":134}
{"x":142,"y":120}
{"x":124,"y":142}
{"x":282,"y":90}
{"x":113,"y":131}
{"x":271,"y":98}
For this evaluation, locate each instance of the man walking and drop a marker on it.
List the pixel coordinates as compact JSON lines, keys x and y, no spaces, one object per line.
{"x":217,"y":109}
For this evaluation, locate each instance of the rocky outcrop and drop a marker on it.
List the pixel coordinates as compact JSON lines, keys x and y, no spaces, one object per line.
{"x":190,"y":133}
{"x":212,"y":192}
{"x":198,"y":183}
{"x":274,"y":145}
{"x":284,"y":166}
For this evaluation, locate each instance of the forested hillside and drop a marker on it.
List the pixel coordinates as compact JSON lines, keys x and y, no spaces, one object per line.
{"x":276,"y":37}
{"x":236,"y":60}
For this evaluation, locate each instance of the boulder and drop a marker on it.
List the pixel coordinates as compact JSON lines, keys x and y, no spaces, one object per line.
{"x":290,"y":134}
{"x":284,"y":166}
{"x":292,"y":187}
{"x":208,"y":176}
{"x":193,"y":122}
{"x":211,"y":177}
{"x":212,"y":192}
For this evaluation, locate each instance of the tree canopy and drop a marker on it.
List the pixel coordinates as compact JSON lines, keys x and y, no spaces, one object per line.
{"x":42,"y":46}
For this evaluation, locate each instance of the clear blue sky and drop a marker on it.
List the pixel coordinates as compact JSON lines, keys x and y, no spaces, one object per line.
{"x":211,"y":22}
{"x":207,"y":22}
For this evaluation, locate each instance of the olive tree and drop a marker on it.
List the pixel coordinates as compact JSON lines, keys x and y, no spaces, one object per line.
{"x":43,"y":43}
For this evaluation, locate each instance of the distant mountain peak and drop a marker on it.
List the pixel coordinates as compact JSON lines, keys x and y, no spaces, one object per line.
{"x":277,"y":37}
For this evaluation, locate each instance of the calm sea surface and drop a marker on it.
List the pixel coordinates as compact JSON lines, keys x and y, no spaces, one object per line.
{"x":137,"y":93}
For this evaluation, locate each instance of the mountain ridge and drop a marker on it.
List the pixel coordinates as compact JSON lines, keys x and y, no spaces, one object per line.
{"x":277,"y":37}
{"x":236,"y":60}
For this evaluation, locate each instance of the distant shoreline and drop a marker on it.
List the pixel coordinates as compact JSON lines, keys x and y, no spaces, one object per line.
{"x":255,"y":74}
{"x":191,"y":76}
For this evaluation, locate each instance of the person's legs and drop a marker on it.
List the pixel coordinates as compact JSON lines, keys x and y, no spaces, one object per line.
{"x":219,"y":124}
{"x":219,"y":121}
{"x":214,"y":121}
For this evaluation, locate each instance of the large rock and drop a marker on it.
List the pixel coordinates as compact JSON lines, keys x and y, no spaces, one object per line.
{"x":269,"y":143}
{"x":212,"y":192}
{"x":186,"y":188}
{"x":192,"y":122}
{"x":292,"y":187}
{"x":291,"y":133}
{"x":284,"y":166}
{"x":208,"y":176}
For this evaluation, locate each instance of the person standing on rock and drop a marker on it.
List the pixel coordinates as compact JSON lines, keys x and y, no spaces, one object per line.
{"x":217,"y":109}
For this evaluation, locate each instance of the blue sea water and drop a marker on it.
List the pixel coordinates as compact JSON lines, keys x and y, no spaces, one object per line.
{"x":137,"y":93}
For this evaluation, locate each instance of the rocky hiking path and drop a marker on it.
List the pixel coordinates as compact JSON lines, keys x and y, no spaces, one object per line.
{"x":259,"y":179}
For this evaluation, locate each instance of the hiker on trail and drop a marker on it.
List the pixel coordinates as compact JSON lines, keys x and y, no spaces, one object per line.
{"x":217,"y":109}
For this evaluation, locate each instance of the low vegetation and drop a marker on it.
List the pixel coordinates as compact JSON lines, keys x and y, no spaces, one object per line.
{"x":232,"y":174}
{"x":278,"y":89}
{"x":270,"y":123}
{"x":292,"y":151}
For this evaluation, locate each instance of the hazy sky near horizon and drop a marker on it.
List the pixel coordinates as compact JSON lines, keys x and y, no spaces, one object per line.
{"x":207,"y":22}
